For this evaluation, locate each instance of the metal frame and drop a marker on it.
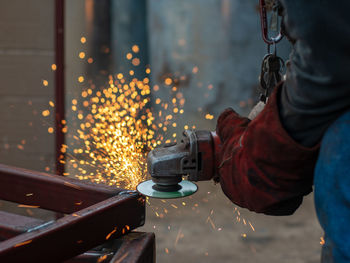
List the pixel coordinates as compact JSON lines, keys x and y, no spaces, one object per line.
{"x":133,"y":247}
{"x":96,"y":214}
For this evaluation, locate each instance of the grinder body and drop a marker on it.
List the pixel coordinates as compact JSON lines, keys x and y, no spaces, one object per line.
{"x":194,"y":156}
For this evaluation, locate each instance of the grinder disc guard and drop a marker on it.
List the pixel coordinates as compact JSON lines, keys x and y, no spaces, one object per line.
{"x":149,"y":188}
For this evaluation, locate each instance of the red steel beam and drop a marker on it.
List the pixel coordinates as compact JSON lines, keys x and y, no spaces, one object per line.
{"x":73,"y":234}
{"x":59,"y":84}
{"x":136,"y":247}
{"x":12,"y":225}
{"x":48,"y":191}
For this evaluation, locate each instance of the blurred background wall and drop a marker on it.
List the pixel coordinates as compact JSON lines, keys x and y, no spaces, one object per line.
{"x":26,"y":83}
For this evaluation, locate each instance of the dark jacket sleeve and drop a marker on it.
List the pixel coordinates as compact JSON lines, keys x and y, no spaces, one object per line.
{"x":261,"y":167}
{"x":317,"y":87}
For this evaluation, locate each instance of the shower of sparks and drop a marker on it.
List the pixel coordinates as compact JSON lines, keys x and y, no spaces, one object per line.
{"x":116,"y":133}
{"x":118,"y":127}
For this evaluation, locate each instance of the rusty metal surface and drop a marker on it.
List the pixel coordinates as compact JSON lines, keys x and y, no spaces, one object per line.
{"x":78,"y":232}
{"x":52,"y":192}
{"x":12,"y":225}
{"x":137,"y":247}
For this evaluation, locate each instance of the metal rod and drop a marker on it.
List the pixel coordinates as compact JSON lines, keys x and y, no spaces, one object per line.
{"x":12,"y":225}
{"x":59,"y":84}
{"x":48,"y":191}
{"x":136,"y":246}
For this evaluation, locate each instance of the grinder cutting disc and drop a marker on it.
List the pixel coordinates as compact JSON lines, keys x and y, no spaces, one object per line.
{"x":186,"y":188}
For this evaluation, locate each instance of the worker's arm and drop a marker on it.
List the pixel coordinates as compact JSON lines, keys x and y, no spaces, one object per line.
{"x":267,"y":164}
{"x":317,"y":88}
{"x":261,"y":167}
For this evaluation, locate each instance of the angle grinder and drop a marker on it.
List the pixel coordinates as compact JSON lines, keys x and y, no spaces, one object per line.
{"x":193,"y":157}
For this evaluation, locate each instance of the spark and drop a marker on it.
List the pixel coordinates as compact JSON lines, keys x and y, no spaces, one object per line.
{"x":209,"y":116}
{"x":82,"y":55}
{"x":135,"y":48}
{"x":81,"y":79}
{"x":251,"y":226}
{"x":211,"y":222}
{"x":46,"y":113}
{"x":135,"y":61}
{"x":322,"y":242}
{"x":83,"y":40}
{"x":101,"y":258}
{"x":20,"y":147}
{"x":23,"y":243}
{"x":29,"y":206}
{"x":111,"y":233}
{"x":168,"y":81}
{"x":117,"y":130}
{"x":129,"y":56}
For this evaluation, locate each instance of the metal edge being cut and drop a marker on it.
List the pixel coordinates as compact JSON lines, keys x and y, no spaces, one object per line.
{"x":187,"y":188}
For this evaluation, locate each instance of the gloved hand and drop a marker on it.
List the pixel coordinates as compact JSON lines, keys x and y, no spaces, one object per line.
{"x":261,"y":167}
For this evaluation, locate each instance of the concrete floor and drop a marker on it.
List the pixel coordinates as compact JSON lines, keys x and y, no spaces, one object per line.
{"x":185,"y":234}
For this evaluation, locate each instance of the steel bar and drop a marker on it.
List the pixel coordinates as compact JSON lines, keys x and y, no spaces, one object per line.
{"x":137,"y":247}
{"x":12,"y":225}
{"x":78,"y":232}
{"x":52,"y":192}
{"x":59,"y":83}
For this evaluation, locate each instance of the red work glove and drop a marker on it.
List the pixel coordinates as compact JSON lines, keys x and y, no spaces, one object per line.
{"x":261,"y":167}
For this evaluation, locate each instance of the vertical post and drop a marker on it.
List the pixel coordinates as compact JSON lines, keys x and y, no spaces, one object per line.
{"x":59,"y":83}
